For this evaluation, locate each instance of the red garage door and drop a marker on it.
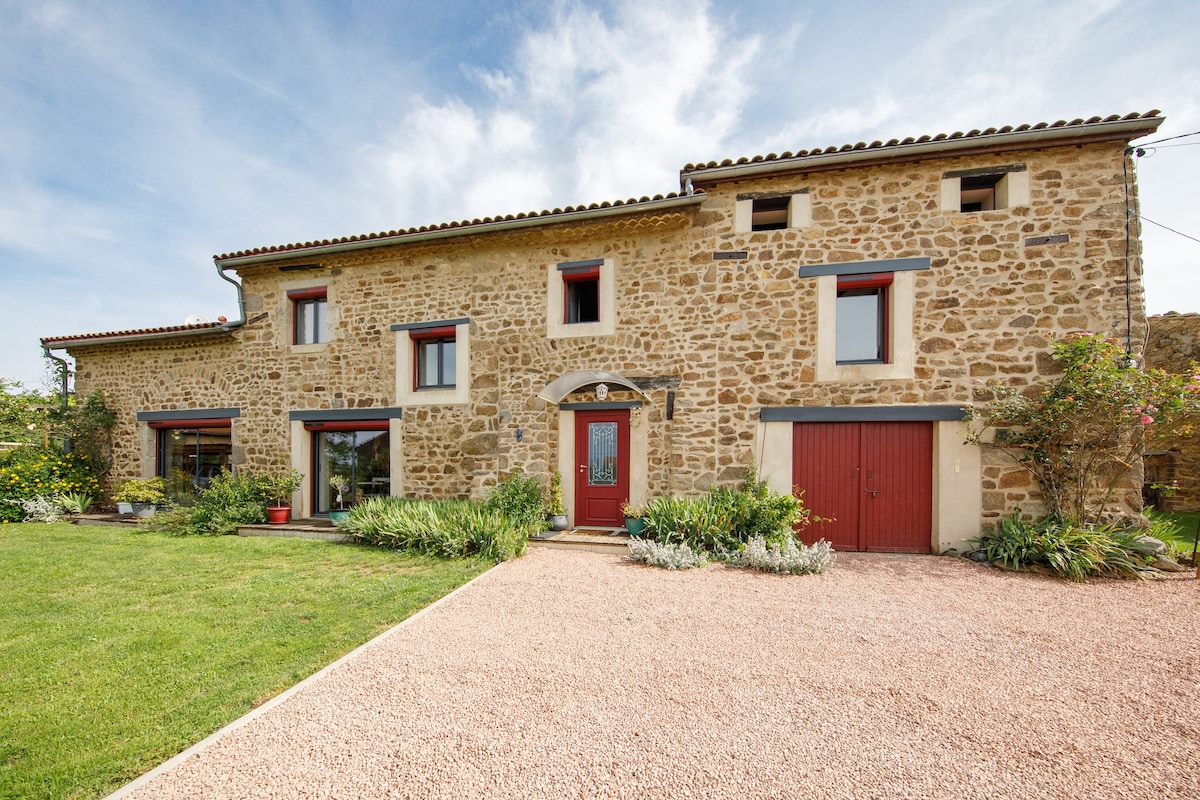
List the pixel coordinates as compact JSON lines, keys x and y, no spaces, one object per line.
{"x":872,"y":480}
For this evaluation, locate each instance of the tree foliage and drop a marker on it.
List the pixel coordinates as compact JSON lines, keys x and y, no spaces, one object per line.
{"x":24,"y":414}
{"x":1080,"y":433}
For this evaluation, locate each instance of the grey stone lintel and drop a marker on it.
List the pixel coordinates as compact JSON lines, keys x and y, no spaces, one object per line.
{"x":591,"y":262}
{"x":614,"y":406}
{"x":345,"y":414}
{"x":980,"y":172}
{"x":188,"y":413}
{"x":866,"y":267}
{"x":439,"y":323}
{"x":862,"y":414}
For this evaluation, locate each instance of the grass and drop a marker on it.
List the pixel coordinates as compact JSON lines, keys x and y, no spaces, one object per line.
{"x":1181,"y":532}
{"x":118,"y":649}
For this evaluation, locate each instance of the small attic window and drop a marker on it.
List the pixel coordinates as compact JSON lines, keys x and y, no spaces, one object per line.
{"x":769,"y":213}
{"x":979,"y":193}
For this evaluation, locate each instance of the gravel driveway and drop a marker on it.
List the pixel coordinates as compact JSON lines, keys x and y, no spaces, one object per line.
{"x":577,"y":675}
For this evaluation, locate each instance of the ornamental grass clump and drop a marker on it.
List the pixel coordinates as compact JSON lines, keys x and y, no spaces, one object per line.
{"x":1068,"y":549}
{"x":447,"y":528}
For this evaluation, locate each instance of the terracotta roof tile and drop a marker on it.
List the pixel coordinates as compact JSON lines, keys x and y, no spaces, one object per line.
{"x":546,"y":214}
{"x":60,"y":341}
{"x":940,"y":137}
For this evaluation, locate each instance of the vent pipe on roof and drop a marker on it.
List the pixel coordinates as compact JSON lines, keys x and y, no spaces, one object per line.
{"x":687,"y":186}
{"x":241,"y":300}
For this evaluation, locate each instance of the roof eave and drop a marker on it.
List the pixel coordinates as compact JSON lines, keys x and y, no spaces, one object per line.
{"x":585,"y":215}
{"x":71,"y":343}
{"x":1117,"y":130}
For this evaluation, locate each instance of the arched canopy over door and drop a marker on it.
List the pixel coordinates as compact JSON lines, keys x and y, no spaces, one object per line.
{"x":559,"y":388}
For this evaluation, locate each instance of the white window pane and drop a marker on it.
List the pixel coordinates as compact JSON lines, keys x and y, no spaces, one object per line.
{"x":319,"y":313}
{"x":448,"y":364}
{"x":427,"y":364}
{"x":858,"y":328}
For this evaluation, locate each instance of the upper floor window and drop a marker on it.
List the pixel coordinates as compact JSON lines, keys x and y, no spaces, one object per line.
{"x":433,"y":362}
{"x":985,"y":188}
{"x":581,"y":292}
{"x":581,"y":298}
{"x":436,"y":357}
{"x":769,"y":213}
{"x":773,"y":212}
{"x":861,"y":319}
{"x":309,"y":312}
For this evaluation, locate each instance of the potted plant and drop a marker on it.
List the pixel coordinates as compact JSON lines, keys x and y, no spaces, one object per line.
{"x":635,"y":517}
{"x":281,"y":489}
{"x":341,"y":484}
{"x":140,"y":496}
{"x":555,"y":512}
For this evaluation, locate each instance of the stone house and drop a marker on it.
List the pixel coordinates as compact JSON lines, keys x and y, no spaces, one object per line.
{"x":823,"y":314}
{"x":1173,"y":344}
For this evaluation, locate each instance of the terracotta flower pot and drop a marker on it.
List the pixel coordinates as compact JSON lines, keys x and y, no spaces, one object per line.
{"x":279,"y":515}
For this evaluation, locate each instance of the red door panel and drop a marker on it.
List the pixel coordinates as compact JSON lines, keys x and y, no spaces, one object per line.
{"x":875,"y":479}
{"x":825,"y":465}
{"x":601,"y":467}
{"x":897,"y":487}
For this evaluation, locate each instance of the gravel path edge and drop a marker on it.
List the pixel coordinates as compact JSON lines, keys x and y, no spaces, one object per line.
{"x":286,"y":694}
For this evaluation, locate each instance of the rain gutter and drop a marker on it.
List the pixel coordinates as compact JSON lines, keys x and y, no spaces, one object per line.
{"x":1117,"y":130}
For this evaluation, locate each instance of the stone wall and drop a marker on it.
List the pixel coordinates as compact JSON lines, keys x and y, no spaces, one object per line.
{"x":733,"y":336}
{"x":1173,"y":344}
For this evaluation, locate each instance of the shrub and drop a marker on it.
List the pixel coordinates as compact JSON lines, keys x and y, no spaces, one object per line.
{"x":667,"y":555}
{"x":726,"y":518}
{"x":28,"y":472}
{"x":38,"y":509}
{"x":1076,"y":552}
{"x":449,"y":528}
{"x":520,"y":499}
{"x":788,"y":556}
{"x":141,"y":490}
{"x":702,"y":523}
{"x":76,"y":502}
{"x":1079,"y":434}
{"x":227,"y":502}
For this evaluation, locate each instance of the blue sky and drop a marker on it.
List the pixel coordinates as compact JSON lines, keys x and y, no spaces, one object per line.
{"x":137,"y":139}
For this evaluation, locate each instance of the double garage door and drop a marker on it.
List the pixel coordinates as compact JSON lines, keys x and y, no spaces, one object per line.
{"x":872,"y":483}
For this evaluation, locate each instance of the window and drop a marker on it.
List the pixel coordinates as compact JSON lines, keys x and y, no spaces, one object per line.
{"x":191,"y":453}
{"x":774,"y":212}
{"x":308,"y":315}
{"x":351,"y":463}
{"x":581,"y":298}
{"x":862,"y":319}
{"x":769,"y":213}
{"x":582,"y":294}
{"x":985,"y":188}
{"x":978,"y":193}
{"x":433,"y":362}
{"x":435,"y":357}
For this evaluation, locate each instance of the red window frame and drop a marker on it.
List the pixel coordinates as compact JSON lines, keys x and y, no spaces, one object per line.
{"x":579,"y":275}
{"x":883,"y":282}
{"x":439,"y":335}
{"x":301,"y":296}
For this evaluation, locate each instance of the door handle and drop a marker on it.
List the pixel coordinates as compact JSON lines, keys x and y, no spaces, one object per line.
{"x":583,"y":467}
{"x":872,"y":492}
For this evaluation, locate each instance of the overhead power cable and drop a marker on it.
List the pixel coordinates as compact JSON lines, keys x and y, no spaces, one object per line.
{"x":1168,"y":139}
{"x":1164,"y":227}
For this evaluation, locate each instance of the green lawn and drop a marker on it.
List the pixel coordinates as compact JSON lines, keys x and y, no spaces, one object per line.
{"x":120,"y":648}
{"x":1182,"y":534}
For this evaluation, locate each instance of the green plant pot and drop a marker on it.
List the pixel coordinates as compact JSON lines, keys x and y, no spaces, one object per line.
{"x":635,"y":526}
{"x":338,"y":517}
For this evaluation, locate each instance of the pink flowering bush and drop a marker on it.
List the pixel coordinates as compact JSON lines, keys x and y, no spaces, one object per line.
{"x":1079,"y":433}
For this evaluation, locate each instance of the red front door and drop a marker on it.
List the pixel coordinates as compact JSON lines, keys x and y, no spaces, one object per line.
{"x":602,"y":467}
{"x":873,"y":481}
